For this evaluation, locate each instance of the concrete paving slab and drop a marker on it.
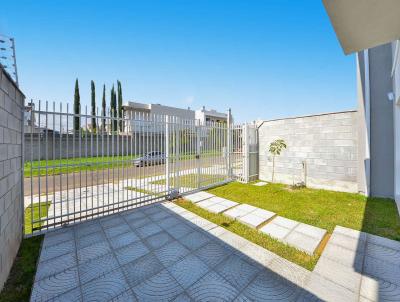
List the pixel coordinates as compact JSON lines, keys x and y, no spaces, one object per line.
{"x":260,"y":184}
{"x":235,"y":213}
{"x":275,"y":231}
{"x":310,"y":230}
{"x":199,"y":196}
{"x":285,"y":222}
{"x":263,"y":213}
{"x":302,"y":242}
{"x":252,"y":220}
{"x":345,"y":276}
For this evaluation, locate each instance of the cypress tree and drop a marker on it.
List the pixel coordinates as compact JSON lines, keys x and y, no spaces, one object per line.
{"x":113,"y":105}
{"x":119,"y":89}
{"x":93,"y":95}
{"x":77,"y":107}
{"x":103,"y":108}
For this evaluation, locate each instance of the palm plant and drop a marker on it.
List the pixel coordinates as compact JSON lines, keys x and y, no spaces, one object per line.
{"x":275,"y":148}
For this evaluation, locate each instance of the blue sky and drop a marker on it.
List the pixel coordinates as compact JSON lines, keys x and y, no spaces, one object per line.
{"x":264,"y":59}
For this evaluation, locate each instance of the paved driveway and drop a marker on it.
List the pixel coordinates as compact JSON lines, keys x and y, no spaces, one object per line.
{"x":161,"y":253}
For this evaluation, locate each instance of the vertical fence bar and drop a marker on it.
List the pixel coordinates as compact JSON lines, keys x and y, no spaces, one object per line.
{"x":167,"y":153}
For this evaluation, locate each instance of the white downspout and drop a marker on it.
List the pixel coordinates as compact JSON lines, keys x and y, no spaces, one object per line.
{"x":368,"y":124}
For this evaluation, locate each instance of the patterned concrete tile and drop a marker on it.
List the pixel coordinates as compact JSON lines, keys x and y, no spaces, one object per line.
{"x":110,"y":221}
{"x":127,"y":296}
{"x":90,"y":239}
{"x":275,"y":231}
{"x":171,"y":253}
{"x":148,"y":230}
{"x":194,"y":240}
{"x":74,"y":295}
{"x":158,"y":240}
{"x":133,"y":215}
{"x":237,"y":271}
{"x":55,"y":265}
{"x":382,"y":270}
{"x":117,"y":230}
{"x":137,"y":223}
{"x":159,"y":216}
{"x":123,"y":240}
{"x":86,"y":228}
{"x":96,"y":267}
{"x":213,"y":253}
{"x":182,"y":298}
{"x":212,"y":287}
{"x":57,"y":250}
{"x":168,"y":223}
{"x":55,"y":285}
{"x":384,"y":242}
{"x":188,"y":270}
{"x":179,"y":230}
{"x":268,"y":286}
{"x":142,"y":269}
{"x":374,"y":289}
{"x":161,"y":287}
{"x":383,"y":252}
{"x":105,"y":287}
{"x":131,"y":252}
{"x":56,"y":238}
{"x":93,"y":251}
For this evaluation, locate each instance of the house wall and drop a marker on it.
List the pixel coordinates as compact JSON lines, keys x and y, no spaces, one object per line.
{"x":396,"y":120}
{"x":377,"y":136}
{"x":11,"y":207}
{"x":326,"y":143}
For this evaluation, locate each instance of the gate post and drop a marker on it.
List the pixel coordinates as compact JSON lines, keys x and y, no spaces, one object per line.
{"x":245,"y":154}
{"x":229,"y":144}
{"x":167,"y":153}
{"x":198,"y":150}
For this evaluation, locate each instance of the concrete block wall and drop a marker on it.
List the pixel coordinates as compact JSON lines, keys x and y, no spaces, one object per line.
{"x":11,"y":213}
{"x":321,"y":151}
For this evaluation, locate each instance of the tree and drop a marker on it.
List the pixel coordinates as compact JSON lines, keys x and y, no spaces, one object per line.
{"x":93,"y":95}
{"x":103,"y":108}
{"x":113,"y":105}
{"x":77,"y":107}
{"x":119,"y":91}
{"x":275,"y":148}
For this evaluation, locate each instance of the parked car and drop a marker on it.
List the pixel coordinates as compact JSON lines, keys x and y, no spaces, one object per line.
{"x":150,"y":158}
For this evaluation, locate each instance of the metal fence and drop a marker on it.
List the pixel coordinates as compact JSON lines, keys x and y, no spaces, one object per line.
{"x":82,"y":166}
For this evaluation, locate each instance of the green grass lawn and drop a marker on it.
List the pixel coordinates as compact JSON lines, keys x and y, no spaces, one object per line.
{"x":321,"y":208}
{"x":191,"y":180}
{"x":44,"y":207}
{"x":19,"y":282}
{"x":75,"y":165}
{"x":281,"y":249}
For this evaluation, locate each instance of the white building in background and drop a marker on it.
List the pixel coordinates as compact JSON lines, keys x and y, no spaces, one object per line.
{"x":211,"y":115}
{"x":143,"y":111}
